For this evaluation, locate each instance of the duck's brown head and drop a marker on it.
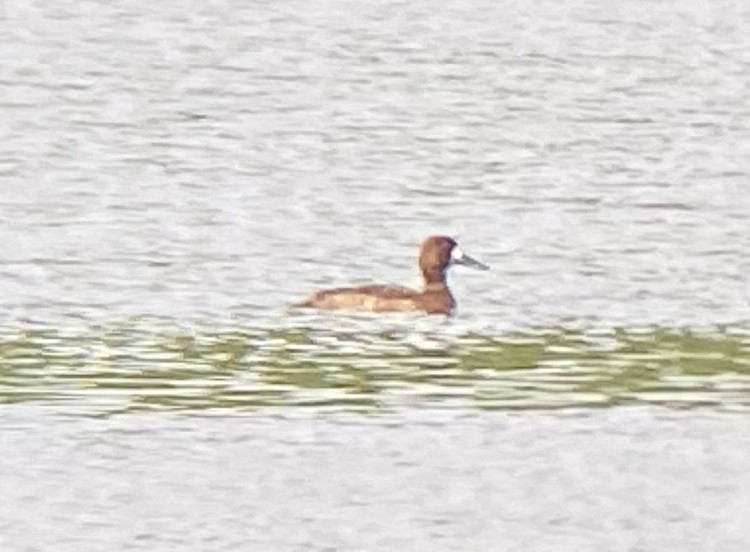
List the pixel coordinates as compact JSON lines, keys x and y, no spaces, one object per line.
{"x":438,"y":253}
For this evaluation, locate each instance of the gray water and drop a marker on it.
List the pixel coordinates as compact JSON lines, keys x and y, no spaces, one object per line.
{"x":619,"y":480}
{"x":174,"y":176}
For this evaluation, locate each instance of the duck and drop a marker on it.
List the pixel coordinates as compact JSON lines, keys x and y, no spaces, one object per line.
{"x":436,"y":255}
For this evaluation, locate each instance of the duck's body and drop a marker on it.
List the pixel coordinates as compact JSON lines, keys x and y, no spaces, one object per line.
{"x":436,"y":255}
{"x":434,"y":299}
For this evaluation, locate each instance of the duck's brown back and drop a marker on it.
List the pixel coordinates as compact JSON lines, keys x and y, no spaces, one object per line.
{"x":383,"y":298}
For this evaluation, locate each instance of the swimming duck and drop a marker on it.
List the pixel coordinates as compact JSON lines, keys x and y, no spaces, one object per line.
{"x":436,"y":255}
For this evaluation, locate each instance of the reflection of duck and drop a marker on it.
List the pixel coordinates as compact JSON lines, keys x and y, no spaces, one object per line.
{"x":437,"y":254}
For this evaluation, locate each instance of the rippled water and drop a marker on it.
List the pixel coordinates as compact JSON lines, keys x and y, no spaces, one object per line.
{"x":110,"y":370}
{"x":173,"y":177}
{"x":195,"y":162}
{"x":624,"y":479}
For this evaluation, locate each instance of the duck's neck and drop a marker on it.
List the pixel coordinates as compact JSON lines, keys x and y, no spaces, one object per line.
{"x":434,"y":279}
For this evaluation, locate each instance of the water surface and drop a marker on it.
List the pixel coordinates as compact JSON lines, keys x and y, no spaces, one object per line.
{"x":173,"y":177}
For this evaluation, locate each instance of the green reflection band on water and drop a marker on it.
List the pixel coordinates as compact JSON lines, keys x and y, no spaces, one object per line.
{"x":127,"y":367}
